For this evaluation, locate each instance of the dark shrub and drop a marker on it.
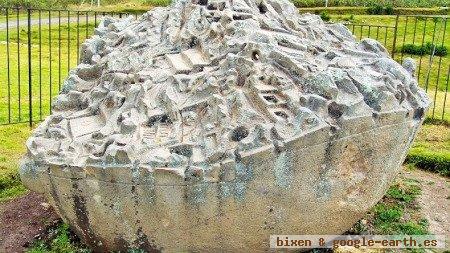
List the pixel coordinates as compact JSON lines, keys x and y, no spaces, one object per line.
{"x":376,"y":9}
{"x":427,"y":48}
{"x":325,"y":16}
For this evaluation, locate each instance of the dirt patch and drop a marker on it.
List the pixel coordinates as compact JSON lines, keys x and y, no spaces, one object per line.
{"x":22,"y":219}
{"x":434,"y":201}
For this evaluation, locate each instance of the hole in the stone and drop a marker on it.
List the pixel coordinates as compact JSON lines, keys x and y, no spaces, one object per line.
{"x":418,"y":113}
{"x":335,"y":110}
{"x":211,"y":7}
{"x":120,"y":119}
{"x":193,"y":42}
{"x":183,"y":150}
{"x":262,"y":8}
{"x":334,"y":129}
{"x":159,"y":119}
{"x":203,"y":2}
{"x":239,"y":133}
{"x":255,"y":55}
{"x":271,"y":99}
{"x":282,"y":115}
{"x":241,"y":80}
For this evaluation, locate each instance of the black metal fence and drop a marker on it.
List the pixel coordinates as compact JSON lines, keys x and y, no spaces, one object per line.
{"x":39,"y":47}
{"x":37,"y":50}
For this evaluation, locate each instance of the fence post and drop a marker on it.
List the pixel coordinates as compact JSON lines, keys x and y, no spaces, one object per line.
{"x":394,"y":44}
{"x":30,"y":93}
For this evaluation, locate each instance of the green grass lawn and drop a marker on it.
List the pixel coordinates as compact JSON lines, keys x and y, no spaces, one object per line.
{"x":431,"y":150}
{"x":12,"y":147}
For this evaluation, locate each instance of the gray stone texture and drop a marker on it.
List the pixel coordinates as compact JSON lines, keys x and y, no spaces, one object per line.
{"x":210,"y":125}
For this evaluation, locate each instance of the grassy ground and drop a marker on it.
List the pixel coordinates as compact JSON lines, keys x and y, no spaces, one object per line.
{"x":12,"y":143}
{"x":397,"y":213}
{"x":431,"y":150}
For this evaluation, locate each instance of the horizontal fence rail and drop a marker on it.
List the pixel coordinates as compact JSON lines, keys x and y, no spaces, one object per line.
{"x":39,"y":47}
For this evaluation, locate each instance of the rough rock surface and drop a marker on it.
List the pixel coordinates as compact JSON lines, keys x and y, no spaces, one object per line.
{"x":185,"y":94}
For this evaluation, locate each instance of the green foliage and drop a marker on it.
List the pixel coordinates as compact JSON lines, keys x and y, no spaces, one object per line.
{"x":344,"y":10}
{"x":427,"y":48}
{"x":376,"y":9}
{"x":325,"y":16}
{"x":389,"y":10}
{"x":406,"y":192}
{"x":412,"y":228}
{"x":434,"y":121}
{"x":429,"y":160}
{"x":388,"y":220}
{"x":59,"y":242}
{"x":11,"y":148}
{"x":400,"y":3}
{"x":379,"y":9}
{"x":157,"y":2}
{"x":387,"y":214}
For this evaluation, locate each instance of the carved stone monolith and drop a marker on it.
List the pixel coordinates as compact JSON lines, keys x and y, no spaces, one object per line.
{"x":210,"y":125}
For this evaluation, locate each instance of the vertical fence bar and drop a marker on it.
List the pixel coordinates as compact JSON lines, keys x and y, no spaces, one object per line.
{"x":50,"y":58}
{"x":430,"y":63}
{"x":439,"y":66}
{"x":8,"y":65}
{"x":385,"y":35}
{"x":59,"y":51}
{"x":95,"y":19}
{"x":415,"y":30}
{"x":18,"y":62}
{"x":78,"y":37}
{"x":40,"y":65}
{"x":361,"y":32}
{"x":68,"y":41}
{"x":30,"y":90}
{"x":404,"y":38}
{"x":446,"y":92}
{"x":394,"y":44}
{"x":423,"y":42}
{"x":87,"y":25}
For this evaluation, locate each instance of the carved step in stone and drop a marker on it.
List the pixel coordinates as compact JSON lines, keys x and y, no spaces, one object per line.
{"x":264,"y":88}
{"x":272,"y":100}
{"x":148,"y":134}
{"x":179,"y":63}
{"x":85,"y":125}
{"x":194,"y":57}
{"x":280,"y":114}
